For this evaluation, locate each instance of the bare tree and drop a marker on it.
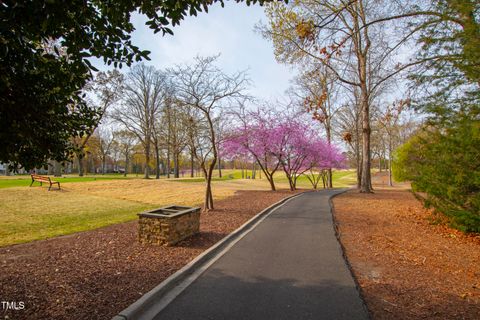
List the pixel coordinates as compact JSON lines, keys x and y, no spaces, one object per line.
{"x":115,"y":152}
{"x":348,"y":38}
{"x":143,"y":99}
{"x":126,"y":141}
{"x":315,"y":88}
{"x":347,"y":125}
{"x":174,"y":129}
{"x":221,"y":122}
{"x":104,"y":91}
{"x":193,"y":127}
{"x":379,"y":144}
{"x":106,"y":139}
{"x":93,"y":155}
{"x":390,"y":120}
{"x":205,"y":87}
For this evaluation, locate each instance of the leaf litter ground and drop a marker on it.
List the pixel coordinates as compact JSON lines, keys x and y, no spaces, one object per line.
{"x":408,"y":263}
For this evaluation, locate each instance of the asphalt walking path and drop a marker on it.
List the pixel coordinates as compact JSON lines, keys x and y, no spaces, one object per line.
{"x":289,"y":267}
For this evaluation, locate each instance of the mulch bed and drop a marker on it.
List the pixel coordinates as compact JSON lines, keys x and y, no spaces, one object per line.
{"x":407,"y":263}
{"x":96,"y":274}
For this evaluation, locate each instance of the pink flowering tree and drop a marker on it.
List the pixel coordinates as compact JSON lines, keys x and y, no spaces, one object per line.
{"x":256,"y":139}
{"x":282,"y":143}
{"x":304,"y":152}
{"x":324,"y":157}
{"x":293,"y":150}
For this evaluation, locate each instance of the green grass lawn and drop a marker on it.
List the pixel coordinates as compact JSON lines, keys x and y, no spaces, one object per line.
{"x":34,"y":213}
{"x":25,"y":180}
{"x":226,"y":175}
{"x":341,"y":179}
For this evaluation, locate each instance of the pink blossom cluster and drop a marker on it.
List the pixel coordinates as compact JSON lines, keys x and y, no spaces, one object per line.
{"x":287,"y":144}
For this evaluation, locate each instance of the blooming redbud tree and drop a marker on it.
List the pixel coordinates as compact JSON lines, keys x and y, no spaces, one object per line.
{"x":257,"y":140}
{"x":288,"y":144}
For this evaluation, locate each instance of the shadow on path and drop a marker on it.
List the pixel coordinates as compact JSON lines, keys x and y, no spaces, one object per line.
{"x":290,"y":266}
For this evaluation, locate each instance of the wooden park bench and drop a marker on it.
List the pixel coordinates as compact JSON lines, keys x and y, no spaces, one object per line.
{"x":42,"y":179}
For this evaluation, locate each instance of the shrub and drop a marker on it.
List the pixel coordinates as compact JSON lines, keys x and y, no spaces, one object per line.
{"x":444,"y":162}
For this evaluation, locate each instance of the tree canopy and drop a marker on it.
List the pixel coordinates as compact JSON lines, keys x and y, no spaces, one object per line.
{"x":45,"y":48}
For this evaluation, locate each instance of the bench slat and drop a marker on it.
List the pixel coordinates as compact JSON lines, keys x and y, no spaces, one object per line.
{"x":44,"y":179}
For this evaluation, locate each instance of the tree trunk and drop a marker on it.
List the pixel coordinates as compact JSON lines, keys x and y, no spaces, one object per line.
{"x":270,"y":180}
{"x":329,"y":140}
{"x":91,"y":167}
{"x":126,"y":166}
{"x":291,"y":183}
{"x":147,"y":158}
{"x":358,"y":163}
{"x":104,"y":160}
{"x":210,"y":197}
{"x":330,"y":178}
{"x":366,"y":181}
{"x":390,"y":182}
{"x":157,"y":161}
{"x":176,"y":165}
{"x":50,"y":167}
{"x":219,"y":168}
{"x":192,"y":164}
{"x":168,"y":161}
{"x":211,"y":167}
{"x":363,"y":55}
{"x":208,"y":200}
{"x":81,"y":168}
{"x":57,"y":169}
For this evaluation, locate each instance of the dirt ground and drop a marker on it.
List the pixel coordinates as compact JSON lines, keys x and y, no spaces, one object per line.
{"x":408,"y":264}
{"x":96,"y":274}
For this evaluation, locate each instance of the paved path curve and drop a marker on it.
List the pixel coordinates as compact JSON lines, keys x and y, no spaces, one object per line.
{"x":289,"y":267}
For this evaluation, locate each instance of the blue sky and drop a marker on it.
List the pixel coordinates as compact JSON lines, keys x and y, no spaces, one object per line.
{"x":228,"y":31}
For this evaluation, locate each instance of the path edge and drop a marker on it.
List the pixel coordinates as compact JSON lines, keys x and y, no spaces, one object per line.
{"x":150,"y":304}
{"x":344,"y":255}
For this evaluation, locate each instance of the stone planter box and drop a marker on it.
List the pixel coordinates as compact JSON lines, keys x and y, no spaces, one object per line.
{"x":168,"y":225}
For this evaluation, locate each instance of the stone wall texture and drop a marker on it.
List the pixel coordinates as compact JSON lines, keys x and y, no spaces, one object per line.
{"x":167,"y":231}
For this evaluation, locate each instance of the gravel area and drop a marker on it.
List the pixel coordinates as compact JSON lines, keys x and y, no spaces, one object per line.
{"x":96,"y":274}
{"x":408,"y":263}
